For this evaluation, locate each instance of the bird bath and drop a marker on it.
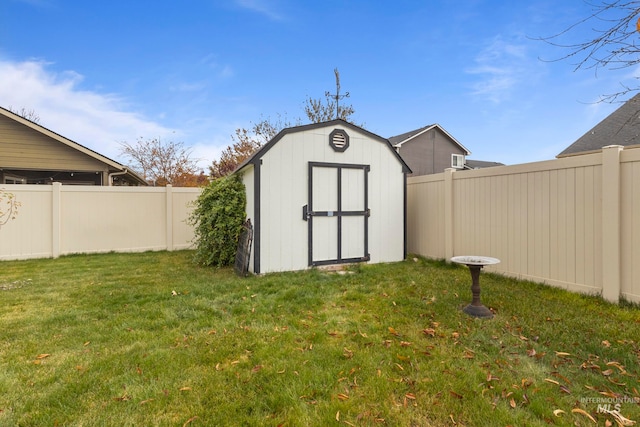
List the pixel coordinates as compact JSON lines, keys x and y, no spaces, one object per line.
{"x":475,"y":264}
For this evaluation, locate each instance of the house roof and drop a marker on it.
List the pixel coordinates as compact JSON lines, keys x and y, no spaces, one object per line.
{"x":398,"y":140}
{"x":479,"y":164}
{"x":337,"y":122}
{"x":622,"y":127}
{"x":112,"y":164}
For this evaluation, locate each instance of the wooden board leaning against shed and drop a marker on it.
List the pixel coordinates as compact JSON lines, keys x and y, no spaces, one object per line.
{"x":243,"y":253}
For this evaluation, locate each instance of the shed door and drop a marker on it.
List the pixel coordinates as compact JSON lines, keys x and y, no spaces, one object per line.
{"x":338,"y":213}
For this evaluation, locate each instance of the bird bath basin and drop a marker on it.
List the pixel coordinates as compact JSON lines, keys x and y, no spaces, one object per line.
{"x":475,"y":264}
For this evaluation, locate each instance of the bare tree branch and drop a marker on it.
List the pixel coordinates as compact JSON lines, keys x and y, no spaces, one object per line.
{"x":161,"y":163}
{"x":615,"y":45}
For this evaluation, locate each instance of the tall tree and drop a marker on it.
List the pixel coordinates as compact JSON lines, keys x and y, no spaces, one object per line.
{"x":161,"y":163}
{"x":245,"y":142}
{"x":616,"y":25}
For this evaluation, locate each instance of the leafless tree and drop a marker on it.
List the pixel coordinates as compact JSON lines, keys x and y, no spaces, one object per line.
{"x":246,"y":141}
{"x":28,"y":114}
{"x":614,"y":46}
{"x":161,"y":163}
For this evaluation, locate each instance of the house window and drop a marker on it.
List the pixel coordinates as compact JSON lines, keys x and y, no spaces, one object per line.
{"x":457,"y":161}
{"x":12,"y":179}
{"x":339,"y":140}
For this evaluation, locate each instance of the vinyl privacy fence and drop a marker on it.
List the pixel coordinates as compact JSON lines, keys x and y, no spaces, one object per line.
{"x":55,"y":220}
{"x":572,"y":222}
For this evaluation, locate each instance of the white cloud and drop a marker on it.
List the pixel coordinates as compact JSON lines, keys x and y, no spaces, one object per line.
{"x":264,"y":7}
{"x":96,"y":120}
{"x":501,"y":67}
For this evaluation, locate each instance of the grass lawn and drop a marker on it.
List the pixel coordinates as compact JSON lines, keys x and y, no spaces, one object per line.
{"x":154,"y":340}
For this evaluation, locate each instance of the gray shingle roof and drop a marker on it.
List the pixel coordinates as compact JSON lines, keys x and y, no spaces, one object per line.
{"x":622,"y":127}
{"x":399,"y":138}
{"x":479,"y":164}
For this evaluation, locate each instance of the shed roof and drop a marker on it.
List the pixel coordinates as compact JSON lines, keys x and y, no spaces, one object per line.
{"x":112,"y":164}
{"x":622,"y":127}
{"x":337,"y":122}
{"x":398,"y":140}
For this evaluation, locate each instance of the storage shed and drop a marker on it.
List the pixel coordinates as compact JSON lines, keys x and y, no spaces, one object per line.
{"x":322,"y":194}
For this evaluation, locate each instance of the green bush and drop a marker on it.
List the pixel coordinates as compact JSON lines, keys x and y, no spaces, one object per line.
{"x":217,"y":220}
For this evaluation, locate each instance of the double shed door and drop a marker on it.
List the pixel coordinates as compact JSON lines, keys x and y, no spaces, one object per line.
{"x":337,"y":213}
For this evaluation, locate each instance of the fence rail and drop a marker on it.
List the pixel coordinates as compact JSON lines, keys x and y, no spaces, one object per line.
{"x":572,"y":222}
{"x":56,"y":220}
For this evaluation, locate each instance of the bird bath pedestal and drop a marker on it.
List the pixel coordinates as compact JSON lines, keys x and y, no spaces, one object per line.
{"x":475,"y":264}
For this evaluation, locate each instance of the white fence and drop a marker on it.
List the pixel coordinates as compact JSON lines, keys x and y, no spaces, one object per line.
{"x":572,"y":223}
{"x":56,"y":220}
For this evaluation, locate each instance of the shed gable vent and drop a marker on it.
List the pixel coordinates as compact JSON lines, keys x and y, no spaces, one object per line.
{"x":339,"y":140}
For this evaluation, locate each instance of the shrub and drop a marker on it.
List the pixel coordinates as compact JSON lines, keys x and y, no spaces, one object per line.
{"x":217,"y":220}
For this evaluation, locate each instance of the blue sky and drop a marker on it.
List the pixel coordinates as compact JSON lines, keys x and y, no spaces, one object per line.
{"x":101,"y":73}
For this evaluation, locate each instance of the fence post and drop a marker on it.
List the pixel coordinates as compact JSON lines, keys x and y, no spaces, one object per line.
{"x":169,"y":216}
{"x":448,"y":213}
{"x":611,"y":222}
{"x":56,"y":189}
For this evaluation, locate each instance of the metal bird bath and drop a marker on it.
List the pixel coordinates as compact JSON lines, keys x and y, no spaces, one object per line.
{"x":475,"y":264}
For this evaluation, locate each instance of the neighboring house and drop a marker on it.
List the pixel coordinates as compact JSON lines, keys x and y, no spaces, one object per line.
{"x":429,"y":150}
{"x":622,"y":127}
{"x":324,"y":194}
{"x":33,"y":154}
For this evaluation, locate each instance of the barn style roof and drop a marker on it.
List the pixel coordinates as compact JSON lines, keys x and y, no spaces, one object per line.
{"x":337,"y":122}
{"x":622,"y":127}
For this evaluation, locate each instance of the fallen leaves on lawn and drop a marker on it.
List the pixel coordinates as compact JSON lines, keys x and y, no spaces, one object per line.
{"x":40,"y":358}
{"x":620,"y":419}
{"x":190,"y":420}
{"x":583,"y":412}
{"x":429,"y":332}
{"x":454,"y":394}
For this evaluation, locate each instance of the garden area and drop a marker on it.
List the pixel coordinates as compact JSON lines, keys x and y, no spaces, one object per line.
{"x":155,"y":339}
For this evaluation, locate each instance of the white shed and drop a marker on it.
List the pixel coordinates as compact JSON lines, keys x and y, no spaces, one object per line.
{"x":322,"y":194}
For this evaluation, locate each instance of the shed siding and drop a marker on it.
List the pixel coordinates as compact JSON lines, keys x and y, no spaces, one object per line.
{"x":284,"y":191}
{"x":25,"y":148}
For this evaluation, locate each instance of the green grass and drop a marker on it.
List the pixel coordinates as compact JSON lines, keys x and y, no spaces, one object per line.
{"x":101,"y":340}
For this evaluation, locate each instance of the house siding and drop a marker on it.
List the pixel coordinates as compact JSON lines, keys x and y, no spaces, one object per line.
{"x":25,"y":148}
{"x":429,"y":152}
